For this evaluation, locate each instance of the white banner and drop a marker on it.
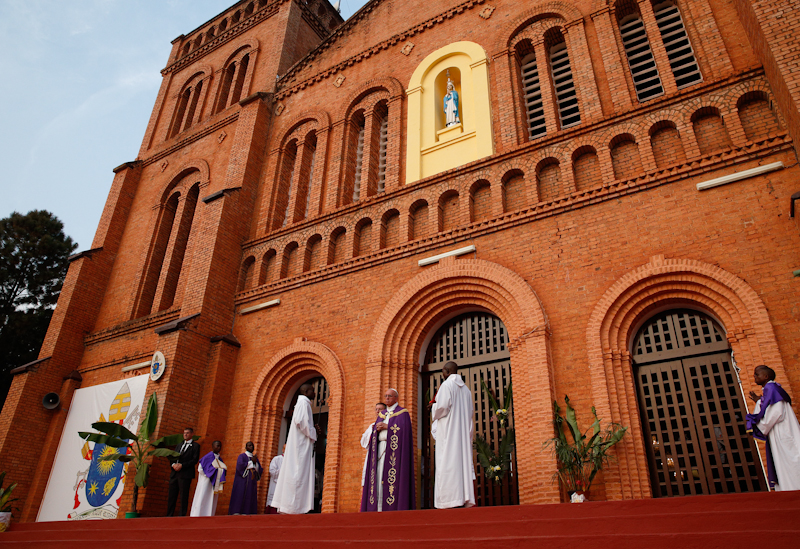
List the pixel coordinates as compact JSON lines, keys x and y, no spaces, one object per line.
{"x":81,"y":487}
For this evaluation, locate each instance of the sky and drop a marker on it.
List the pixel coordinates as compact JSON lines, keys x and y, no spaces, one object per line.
{"x":79,"y":81}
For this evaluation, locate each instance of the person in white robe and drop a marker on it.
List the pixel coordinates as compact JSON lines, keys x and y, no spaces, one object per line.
{"x":453,"y":429}
{"x":274,"y":473}
{"x":774,"y":420}
{"x":210,"y":479}
{"x":365,"y":438}
{"x":294,"y":494}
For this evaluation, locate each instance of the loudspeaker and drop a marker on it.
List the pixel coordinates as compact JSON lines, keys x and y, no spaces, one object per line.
{"x":51,"y":401}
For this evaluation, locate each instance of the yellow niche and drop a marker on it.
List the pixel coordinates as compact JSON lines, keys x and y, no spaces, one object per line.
{"x":433,"y":147}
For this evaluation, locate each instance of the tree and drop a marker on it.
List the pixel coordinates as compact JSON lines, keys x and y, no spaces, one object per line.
{"x":33,"y":262}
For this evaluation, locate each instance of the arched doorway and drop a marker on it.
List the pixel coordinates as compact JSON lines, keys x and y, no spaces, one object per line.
{"x":692,"y":408}
{"x":478,"y":343}
{"x":319,"y":408}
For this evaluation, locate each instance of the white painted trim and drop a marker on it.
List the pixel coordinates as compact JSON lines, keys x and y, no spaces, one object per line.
{"x":260,"y":306}
{"x":738,"y":176}
{"x":138,"y":366}
{"x":437,"y":258}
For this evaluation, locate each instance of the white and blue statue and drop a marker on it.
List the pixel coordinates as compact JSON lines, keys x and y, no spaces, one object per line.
{"x":451,"y":105}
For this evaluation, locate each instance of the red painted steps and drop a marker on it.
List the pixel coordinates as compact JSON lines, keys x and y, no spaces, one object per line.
{"x":705,"y":521}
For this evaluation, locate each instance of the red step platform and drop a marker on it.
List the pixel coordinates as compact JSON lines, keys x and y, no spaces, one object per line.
{"x":740,"y":520}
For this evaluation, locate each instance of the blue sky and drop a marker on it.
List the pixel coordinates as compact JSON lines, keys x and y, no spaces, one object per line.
{"x":79,"y":79}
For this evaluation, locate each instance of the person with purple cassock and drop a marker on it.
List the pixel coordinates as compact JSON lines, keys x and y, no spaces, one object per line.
{"x":775,"y":422}
{"x":244,"y":496}
{"x":390,"y":482}
{"x":209,"y":482}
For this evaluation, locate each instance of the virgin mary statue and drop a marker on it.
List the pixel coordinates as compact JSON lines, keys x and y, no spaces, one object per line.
{"x":451,"y":105}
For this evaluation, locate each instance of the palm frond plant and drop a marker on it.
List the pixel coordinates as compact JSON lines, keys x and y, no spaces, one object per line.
{"x":5,"y":502}
{"x":496,"y":464}
{"x":138,"y":447}
{"x":580,"y":459}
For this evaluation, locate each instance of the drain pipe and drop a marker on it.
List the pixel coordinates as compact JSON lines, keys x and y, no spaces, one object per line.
{"x":746,"y":407}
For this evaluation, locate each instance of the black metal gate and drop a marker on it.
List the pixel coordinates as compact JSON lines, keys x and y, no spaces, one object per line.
{"x":692,"y":409}
{"x":477,"y":342}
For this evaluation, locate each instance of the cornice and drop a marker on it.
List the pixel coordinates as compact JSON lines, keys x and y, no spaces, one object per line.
{"x":574,"y":201}
{"x":291,"y":86}
{"x":130,"y":326}
{"x":222,"y":39}
{"x":203,"y":132}
{"x":522,"y":149}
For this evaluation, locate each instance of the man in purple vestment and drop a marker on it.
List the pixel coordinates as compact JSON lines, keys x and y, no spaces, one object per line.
{"x":390,"y":483}
{"x":244,"y":497}
{"x":775,"y":422}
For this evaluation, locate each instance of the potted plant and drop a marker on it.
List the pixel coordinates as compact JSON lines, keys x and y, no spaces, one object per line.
{"x":580,"y":460}
{"x":138,"y":447}
{"x":5,"y":503}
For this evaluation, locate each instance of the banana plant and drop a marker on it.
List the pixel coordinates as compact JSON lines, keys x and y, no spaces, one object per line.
{"x":579,"y":461}
{"x":495,"y":465}
{"x":138,"y":446}
{"x":5,"y":495}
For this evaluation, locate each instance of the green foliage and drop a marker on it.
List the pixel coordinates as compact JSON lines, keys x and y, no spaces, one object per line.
{"x":579,"y":461}
{"x":495,"y":465}
{"x":5,"y":495}
{"x":33,"y":263}
{"x":138,"y":446}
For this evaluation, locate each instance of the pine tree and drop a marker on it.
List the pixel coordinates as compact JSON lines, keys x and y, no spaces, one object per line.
{"x":33,"y":262}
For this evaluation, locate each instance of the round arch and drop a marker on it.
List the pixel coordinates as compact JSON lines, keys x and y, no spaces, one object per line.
{"x":455,"y":285}
{"x":270,"y":390}
{"x":617,"y":317}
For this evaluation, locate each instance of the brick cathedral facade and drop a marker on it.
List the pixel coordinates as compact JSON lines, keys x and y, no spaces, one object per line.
{"x":296,"y":168}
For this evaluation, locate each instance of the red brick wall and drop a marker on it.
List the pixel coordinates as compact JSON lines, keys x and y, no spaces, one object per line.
{"x":569,"y":217}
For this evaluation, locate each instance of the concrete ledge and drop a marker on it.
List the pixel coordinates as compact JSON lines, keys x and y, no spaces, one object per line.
{"x":137,"y":366}
{"x":260,"y":306}
{"x":178,"y":324}
{"x":725,"y":179}
{"x":28,"y":367}
{"x":437,"y":258}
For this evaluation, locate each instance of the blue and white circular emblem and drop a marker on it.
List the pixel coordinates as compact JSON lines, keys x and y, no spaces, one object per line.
{"x":157,"y":365}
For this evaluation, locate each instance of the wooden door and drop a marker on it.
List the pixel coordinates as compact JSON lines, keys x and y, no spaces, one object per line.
{"x":692,"y":409}
{"x":477,"y":342}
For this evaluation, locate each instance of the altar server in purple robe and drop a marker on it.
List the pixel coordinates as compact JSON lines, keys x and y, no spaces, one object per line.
{"x":774,"y":421}
{"x":244,"y":496}
{"x":390,"y":483}
{"x":294,"y":494}
{"x":452,"y":413}
{"x":209,"y":482}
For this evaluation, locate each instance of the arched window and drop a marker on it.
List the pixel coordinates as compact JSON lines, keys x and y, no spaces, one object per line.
{"x":233,"y":82}
{"x":641,"y":62}
{"x":383,"y":135}
{"x":564,"y":85}
{"x":186,"y":111}
{"x":284,"y":191}
{"x":676,"y":43}
{"x":532,"y":92}
{"x":359,"y":162}
{"x":159,"y":284}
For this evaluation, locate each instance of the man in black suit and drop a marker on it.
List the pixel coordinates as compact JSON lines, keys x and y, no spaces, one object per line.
{"x":183,"y":471}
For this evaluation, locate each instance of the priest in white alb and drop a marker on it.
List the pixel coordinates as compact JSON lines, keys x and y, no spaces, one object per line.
{"x":367,"y":436}
{"x":294,"y":494}
{"x":775,"y":422}
{"x":452,"y":413}
{"x":210,"y":480}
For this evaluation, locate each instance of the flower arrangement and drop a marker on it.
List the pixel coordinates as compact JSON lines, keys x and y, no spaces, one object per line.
{"x":495,"y":465}
{"x":5,"y":502}
{"x":579,"y":461}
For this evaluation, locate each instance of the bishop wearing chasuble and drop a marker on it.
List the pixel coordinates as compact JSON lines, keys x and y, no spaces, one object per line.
{"x":390,"y":484}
